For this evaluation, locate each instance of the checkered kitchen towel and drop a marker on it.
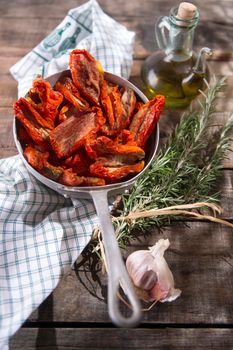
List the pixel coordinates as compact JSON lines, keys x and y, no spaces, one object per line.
{"x":41,"y":232}
{"x":86,"y":27}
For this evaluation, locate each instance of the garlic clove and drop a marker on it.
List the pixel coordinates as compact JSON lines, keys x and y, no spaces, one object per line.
{"x":150,"y":272}
{"x":164,"y":295}
{"x":158,"y":293}
{"x":149,"y":279}
{"x":138,"y":266}
{"x":165,"y":276}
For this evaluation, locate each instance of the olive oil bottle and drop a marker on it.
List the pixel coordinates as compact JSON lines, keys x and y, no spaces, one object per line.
{"x":176,"y":71}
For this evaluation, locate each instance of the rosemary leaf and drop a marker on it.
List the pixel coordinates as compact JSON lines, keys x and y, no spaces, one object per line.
{"x":184,"y":171}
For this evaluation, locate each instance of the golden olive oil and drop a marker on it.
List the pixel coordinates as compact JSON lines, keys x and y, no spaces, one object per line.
{"x":177,"y":81}
{"x":175,"y":71}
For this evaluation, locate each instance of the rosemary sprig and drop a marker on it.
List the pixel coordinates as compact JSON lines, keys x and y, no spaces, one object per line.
{"x":185,"y":170}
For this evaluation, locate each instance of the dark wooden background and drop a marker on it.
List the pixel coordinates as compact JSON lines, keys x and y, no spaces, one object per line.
{"x":200,"y":254}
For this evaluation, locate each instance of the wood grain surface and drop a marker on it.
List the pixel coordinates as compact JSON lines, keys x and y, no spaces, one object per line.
{"x":140,"y":339}
{"x":75,"y":315}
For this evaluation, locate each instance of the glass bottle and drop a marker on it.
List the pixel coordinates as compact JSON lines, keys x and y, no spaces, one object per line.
{"x":175,"y":71}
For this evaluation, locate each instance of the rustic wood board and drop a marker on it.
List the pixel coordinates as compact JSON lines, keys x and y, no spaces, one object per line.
{"x":200,"y":256}
{"x":200,"y":253}
{"x":210,"y":10}
{"x":30,"y":31}
{"x":141,"y":339}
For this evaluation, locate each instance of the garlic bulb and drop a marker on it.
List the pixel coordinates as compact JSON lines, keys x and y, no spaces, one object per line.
{"x":150,"y":273}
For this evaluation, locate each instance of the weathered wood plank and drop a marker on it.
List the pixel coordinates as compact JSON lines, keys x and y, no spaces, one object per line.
{"x":29,"y":22}
{"x":7,"y":145}
{"x":200,"y":256}
{"x":211,"y":9}
{"x":8,"y":91}
{"x":22,"y":34}
{"x":225,"y":186}
{"x":8,"y":152}
{"x":98,"y":339}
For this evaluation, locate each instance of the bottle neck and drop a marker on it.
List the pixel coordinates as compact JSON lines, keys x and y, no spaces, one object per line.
{"x":180,"y":44}
{"x":181,"y":35}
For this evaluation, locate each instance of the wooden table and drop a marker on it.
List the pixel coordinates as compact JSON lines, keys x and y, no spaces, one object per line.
{"x":200,"y":254}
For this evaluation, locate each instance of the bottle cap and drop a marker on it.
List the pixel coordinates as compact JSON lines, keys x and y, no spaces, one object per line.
{"x":186,"y":11}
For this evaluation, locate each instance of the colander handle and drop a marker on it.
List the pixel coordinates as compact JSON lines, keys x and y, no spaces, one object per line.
{"x":117,"y":274}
